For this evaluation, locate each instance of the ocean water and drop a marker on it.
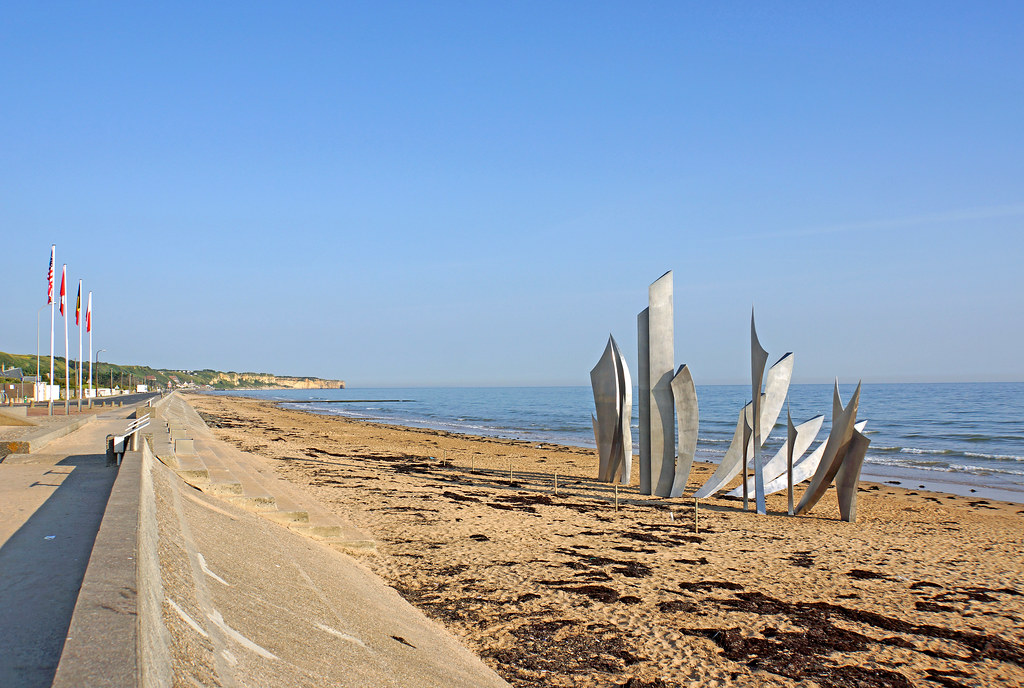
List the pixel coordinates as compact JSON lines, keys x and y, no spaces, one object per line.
{"x":965,"y":438}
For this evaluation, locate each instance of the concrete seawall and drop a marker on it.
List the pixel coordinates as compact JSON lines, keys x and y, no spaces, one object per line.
{"x":184,"y":587}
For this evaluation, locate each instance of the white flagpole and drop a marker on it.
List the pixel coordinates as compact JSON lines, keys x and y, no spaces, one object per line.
{"x":67,"y":356}
{"x":88,"y":325}
{"x":78,"y":368}
{"x":49,"y":382}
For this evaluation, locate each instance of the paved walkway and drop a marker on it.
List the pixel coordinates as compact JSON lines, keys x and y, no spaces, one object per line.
{"x":51,"y":505}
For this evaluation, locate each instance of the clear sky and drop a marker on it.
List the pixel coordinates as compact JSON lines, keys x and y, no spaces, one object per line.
{"x":480,"y":192}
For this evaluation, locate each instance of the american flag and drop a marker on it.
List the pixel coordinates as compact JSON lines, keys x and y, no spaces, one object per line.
{"x":49,"y":288}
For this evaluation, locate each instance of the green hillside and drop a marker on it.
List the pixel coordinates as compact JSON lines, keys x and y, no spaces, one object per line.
{"x":124,"y":375}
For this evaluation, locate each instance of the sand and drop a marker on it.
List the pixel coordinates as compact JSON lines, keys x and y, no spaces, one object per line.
{"x":562,"y":589}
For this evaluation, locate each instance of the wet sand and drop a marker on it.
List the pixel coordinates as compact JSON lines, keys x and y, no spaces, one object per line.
{"x":561,"y":589}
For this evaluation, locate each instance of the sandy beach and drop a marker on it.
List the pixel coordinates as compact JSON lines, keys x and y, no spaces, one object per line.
{"x":560,"y":588}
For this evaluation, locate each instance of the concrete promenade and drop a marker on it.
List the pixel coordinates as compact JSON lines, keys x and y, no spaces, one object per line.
{"x":51,"y":505}
{"x":188,"y":586}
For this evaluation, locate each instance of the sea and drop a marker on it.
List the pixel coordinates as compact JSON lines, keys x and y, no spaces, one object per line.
{"x":962,"y":438}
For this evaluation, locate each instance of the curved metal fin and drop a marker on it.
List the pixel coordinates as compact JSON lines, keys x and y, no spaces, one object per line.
{"x":661,"y":360}
{"x":688,"y":418}
{"x":776,"y":388}
{"x":777,"y":466}
{"x":643,"y":337}
{"x":758,"y":360}
{"x":849,"y":474}
{"x":605,"y":382}
{"x":791,"y":436}
{"x":625,"y":417}
{"x":804,"y":468}
{"x":835,"y":449}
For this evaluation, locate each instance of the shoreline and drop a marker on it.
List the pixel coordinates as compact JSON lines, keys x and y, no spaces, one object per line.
{"x":561,"y":589}
{"x":908,"y":478}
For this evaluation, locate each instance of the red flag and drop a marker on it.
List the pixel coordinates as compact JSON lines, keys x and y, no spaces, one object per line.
{"x":63,"y":291}
{"x":88,"y":317}
{"x":49,"y":279}
{"x":78,"y":305}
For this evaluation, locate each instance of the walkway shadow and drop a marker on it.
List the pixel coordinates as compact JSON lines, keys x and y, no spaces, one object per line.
{"x":40,"y":575}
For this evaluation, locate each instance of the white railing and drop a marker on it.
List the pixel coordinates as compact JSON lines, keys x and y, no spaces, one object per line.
{"x":116,"y":443}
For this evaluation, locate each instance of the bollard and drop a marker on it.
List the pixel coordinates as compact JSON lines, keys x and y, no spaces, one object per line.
{"x":134,"y":444}
{"x":110,"y":450}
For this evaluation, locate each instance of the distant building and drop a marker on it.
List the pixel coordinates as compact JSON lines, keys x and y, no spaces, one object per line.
{"x":12,"y":373}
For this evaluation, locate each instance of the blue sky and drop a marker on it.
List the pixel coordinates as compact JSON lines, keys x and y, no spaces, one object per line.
{"x":479,"y":192}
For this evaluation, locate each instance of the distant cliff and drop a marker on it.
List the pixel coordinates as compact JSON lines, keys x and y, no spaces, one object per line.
{"x":268,"y":380}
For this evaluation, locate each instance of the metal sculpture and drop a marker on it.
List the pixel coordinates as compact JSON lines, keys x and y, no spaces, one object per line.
{"x":776,"y":467}
{"x":626,"y":417}
{"x":776,"y":386}
{"x":836,"y":448}
{"x":758,"y":360}
{"x":613,"y":403}
{"x":791,"y":437}
{"x":849,"y":474}
{"x":688,"y":419}
{"x":643,"y":338}
{"x":804,"y":468}
{"x":747,"y":434}
{"x":661,"y":355}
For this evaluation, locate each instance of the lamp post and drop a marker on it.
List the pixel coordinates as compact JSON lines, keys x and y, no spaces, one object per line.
{"x":98,"y":361}
{"x":39,"y":377}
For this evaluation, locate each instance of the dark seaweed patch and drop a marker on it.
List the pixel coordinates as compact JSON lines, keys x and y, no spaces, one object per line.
{"x":709,"y":585}
{"x":562,"y":646}
{"x":861,"y":574}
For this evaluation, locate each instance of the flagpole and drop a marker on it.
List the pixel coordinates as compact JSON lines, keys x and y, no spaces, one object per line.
{"x":67,"y":353}
{"x":49,"y":381}
{"x":88,"y":327}
{"x":78,"y":321}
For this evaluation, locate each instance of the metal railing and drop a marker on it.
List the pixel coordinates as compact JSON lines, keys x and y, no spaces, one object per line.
{"x":116,"y":444}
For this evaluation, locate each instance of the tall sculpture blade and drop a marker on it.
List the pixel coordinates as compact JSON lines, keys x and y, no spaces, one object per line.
{"x":643,"y":337}
{"x":662,"y":367}
{"x":625,"y":416}
{"x":804,"y":468}
{"x":687,"y":417}
{"x":835,"y":449}
{"x":758,"y":360}
{"x":849,"y":474}
{"x":776,"y":467}
{"x":791,"y":436}
{"x":747,"y":434}
{"x":776,"y":387}
{"x":605,"y":383}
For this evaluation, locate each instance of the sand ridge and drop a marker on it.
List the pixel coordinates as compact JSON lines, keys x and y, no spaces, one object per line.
{"x":560,"y":589}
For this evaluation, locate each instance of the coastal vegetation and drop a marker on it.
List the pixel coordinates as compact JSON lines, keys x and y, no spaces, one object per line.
{"x":112,"y":374}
